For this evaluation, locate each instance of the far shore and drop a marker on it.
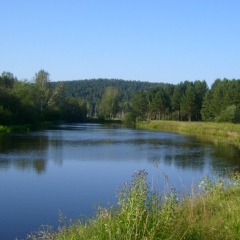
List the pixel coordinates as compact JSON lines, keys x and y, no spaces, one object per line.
{"x":223,"y":132}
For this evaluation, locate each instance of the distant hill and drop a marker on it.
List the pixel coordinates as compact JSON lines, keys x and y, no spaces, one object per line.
{"x":92,"y":90}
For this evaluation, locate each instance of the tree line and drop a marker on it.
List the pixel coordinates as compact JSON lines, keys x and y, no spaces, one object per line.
{"x":74,"y":101}
{"x":191,"y":101}
{"x":31,"y":102}
{"x":40,"y":99}
{"x":181,"y":102}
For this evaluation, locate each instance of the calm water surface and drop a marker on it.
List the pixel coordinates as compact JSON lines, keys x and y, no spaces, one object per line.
{"x":75,"y":168}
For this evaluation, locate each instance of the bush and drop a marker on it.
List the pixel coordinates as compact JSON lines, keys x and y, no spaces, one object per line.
{"x":230,"y":114}
{"x":130,"y":119}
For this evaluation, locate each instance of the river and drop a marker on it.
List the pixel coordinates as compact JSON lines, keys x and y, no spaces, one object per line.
{"x":72,"y":169}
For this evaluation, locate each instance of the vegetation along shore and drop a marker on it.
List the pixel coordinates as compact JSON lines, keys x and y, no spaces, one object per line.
{"x":224,"y":132}
{"x":210,"y":211}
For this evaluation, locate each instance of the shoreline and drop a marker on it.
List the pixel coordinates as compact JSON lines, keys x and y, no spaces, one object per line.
{"x":220,"y":132}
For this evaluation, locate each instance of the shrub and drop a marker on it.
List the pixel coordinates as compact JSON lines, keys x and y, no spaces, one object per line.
{"x":230,"y":114}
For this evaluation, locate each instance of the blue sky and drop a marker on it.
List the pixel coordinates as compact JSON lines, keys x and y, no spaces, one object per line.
{"x":157,"y":41}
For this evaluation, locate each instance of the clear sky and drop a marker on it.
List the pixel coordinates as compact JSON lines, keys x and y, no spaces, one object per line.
{"x":148,"y":40}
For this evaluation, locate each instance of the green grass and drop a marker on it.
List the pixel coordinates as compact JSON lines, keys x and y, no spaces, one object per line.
{"x":211,"y":211}
{"x":212,"y":130}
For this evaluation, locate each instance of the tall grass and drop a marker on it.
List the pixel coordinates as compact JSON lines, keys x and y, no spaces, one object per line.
{"x":210,"y":211}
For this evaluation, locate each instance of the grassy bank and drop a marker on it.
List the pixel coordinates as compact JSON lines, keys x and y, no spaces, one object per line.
{"x":223,"y":131}
{"x":211,"y":211}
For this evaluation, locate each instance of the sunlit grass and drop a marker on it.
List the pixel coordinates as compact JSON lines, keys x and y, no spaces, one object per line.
{"x":210,"y":211}
{"x":229,"y":131}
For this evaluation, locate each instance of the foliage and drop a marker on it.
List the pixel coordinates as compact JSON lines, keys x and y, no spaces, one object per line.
{"x":130,"y":119}
{"x":24,"y":102}
{"x":230,"y":114}
{"x":222,"y":100}
{"x":109,"y":105}
{"x":188,"y":102}
{"x":73,"y":110}
{"x":140,"y":105}
{"x":180,"y":102}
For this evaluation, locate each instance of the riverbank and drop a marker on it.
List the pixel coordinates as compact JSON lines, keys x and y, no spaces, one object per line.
{"x":211,"y":211}
{"x":49,"y":124}
{"x":229,"y":132}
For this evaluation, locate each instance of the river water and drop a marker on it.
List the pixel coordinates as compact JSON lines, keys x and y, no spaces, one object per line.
{"x":72,"y":169}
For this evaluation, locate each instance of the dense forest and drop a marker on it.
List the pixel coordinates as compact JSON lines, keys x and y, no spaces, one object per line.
{"x":191,"y":101}
{"x":92,"y":91}
{"x":40,"y":99}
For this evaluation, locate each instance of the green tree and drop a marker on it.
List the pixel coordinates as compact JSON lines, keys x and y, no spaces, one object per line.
{"x":188,"y":102}
{"x":7,"y":80}
{"x":109,"y":105}
{"x":45,"y":96}
{"x":42,"y":89}
{"x":160,"y":102}
{"x":222,"y":101}
{"x":140,"y":105}
{"x":73,"y":110}
{"x":206,"y":111}
{"x":176,"y":101}
{"x":230,"y":114}
{"x":27,"y":111}
{"x":9,"y":103}
{"x":200,"y":88}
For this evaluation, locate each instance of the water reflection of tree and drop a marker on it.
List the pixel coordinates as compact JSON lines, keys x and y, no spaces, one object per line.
{"x":194,"y":161}
{"x":182,"y":154}
{"x":39,"y":165}
{"x":226,"y":153}
{"x":24,"y":151}
{"x":4,"y":163}
{"x":196,"y":154}
{"x":23,"y":142}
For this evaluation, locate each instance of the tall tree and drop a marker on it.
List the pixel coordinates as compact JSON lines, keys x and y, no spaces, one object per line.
{"x":176,"y":100}
{"x":45,"y":96}
{"x":73,"y":110}
{"x":200,"y":88}
{"x":160,"y":103}
{"x":188,"y":102}
{"x":7,"y":80}
{"x":109,"y":105}
{"x":206,"y":111}
{"x":140,"y":105}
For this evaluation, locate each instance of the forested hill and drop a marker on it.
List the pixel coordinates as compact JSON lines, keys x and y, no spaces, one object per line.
{"x":92,"y":90}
